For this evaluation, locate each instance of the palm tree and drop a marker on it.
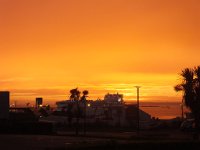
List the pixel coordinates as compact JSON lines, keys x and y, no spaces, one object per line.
{"x":75,"y":96}
{"x":69,"y":113}
{"x":83,"y":99}
{"x":188,"y":87}
{"x":191,"y":93}
{"x":196,"y":108}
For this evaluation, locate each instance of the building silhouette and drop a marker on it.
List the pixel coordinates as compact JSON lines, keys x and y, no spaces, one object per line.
{"x":38,"y":102}
{"x":4,"y":104}
{"x":111,"y":111}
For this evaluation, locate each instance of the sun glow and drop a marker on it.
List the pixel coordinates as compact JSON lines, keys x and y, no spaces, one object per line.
{"x":50,"y":47}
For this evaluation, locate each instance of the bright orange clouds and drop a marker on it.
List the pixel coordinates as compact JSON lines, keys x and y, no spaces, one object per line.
{"x":61,"y":44}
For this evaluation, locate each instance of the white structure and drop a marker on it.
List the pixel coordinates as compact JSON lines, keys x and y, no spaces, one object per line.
{"x":113,"y":98}
{"x":112,"y":111}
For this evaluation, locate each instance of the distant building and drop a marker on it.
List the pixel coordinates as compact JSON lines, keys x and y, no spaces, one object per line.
{"x":39,"y":102}
{"x":4,"y":104}
{"x":111,"y":111}
{"x":113,"y":98}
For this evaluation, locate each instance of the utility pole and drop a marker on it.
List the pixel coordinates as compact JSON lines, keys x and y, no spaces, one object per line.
{"x":138,"y":110}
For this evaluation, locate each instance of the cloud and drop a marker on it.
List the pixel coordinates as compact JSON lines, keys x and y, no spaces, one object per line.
{"x":16,"y":79}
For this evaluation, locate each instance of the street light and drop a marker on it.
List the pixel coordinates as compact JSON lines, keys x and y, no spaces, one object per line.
{"x":138,"y":110}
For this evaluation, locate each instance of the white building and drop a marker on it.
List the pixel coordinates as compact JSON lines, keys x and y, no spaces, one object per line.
{"x":112,"y":111}
{"x":113,"y":98}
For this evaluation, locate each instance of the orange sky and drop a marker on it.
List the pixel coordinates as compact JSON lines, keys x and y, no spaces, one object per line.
{"x":51,"y":46}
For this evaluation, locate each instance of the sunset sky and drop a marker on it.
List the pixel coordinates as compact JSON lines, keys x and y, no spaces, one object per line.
{"x":51,"y":46}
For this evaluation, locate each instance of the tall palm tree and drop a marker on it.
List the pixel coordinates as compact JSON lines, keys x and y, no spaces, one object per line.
{"x":188,"y":87}
{"x":85,"y":93}
{"x":191,"y":93}
{"x":84,"y":100}
{"x":196,"y":110}
{"x":75,"y":96}
{"x":84,"y":96}
{"x":69,"y":113}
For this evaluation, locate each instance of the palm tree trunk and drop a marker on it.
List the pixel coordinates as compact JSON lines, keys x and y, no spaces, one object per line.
{"x":77,"y":126}
{"x":77,"y":119}
{"x":84,"y":124}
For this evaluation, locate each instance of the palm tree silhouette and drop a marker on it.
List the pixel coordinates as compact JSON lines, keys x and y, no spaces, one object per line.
{"x":69,"y":113}
{"x":84,"y":101}
{"x":75,"y":96}
{"x":196,"y":108}
{"x":191,"y":93}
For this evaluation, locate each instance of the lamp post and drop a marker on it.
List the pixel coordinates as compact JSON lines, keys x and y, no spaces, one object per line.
{"x":138,"y":110}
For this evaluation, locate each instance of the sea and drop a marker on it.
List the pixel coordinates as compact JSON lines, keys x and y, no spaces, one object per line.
{"x":157,"y":109}
{"x":163,"y":110}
